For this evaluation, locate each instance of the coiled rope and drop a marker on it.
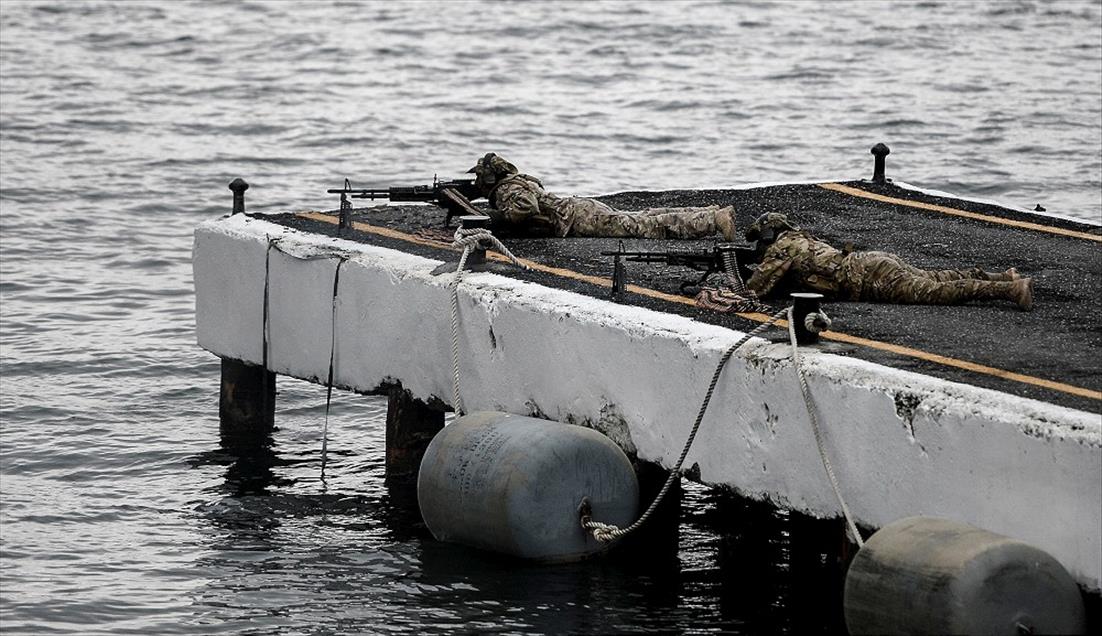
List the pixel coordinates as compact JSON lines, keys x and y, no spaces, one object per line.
{"x":814,"y":322}
{"x":468,"y":239}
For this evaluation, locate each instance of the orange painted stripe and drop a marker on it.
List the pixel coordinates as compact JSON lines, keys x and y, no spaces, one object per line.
{"x":864,"y":194}
{"x":757,"y":317}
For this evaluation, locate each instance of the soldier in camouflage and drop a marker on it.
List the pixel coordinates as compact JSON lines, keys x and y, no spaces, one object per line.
{"x":519,"y":201}
{"x":796,"y":261}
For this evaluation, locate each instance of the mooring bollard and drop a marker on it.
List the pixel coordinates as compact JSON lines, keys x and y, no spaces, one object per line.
{"x":476,"y":258}
{"x":238,"y":186}
{"x":804,"y":303}
{"x":475,"y":222}
{"x":879,"y":151}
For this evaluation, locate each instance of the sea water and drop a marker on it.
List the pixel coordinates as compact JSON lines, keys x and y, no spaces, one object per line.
{"x":121,"y":123}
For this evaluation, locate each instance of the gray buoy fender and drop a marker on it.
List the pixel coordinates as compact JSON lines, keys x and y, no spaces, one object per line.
{"x":923,"y":575}
{"x":513,"y":484}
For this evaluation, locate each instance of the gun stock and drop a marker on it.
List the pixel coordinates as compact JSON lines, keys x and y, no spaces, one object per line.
{"x":457,"y":205}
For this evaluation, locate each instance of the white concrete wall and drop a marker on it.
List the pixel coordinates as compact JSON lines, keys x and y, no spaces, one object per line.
{"x":1019,"y":467}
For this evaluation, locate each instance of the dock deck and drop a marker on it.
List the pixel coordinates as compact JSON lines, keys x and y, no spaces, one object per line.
{"x":1053,"y":353}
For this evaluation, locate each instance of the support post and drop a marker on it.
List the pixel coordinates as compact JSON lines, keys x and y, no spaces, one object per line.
{"x":246,"y":404}
{"x":410,"y":426}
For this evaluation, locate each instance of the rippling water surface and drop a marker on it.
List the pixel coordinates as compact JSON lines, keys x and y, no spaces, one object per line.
{"x":122,"y":123}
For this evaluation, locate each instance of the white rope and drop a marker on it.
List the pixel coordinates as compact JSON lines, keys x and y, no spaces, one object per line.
{"x":815,"y":427}
{"x":815,"y":322}
{"x":605,"y":532}
{"x":468,"y":239}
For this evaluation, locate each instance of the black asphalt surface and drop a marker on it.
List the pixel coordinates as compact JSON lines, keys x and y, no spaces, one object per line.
{"x":1060,"y":340}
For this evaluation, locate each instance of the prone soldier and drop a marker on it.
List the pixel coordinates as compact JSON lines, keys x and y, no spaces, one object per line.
{"x":519,"y":201}
{"x":795,"y":259}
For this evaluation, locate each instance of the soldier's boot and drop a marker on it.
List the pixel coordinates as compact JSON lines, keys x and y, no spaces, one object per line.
{"x":1009,"y":275}
{"x":1021,"y":292}
{"x":725,"y":224}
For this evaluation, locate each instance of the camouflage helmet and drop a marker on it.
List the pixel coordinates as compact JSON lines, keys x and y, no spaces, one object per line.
{"x":490,"y":169}
{"x":767,"y":227}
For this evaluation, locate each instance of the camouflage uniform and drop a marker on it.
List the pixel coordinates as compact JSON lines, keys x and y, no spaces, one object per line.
{"x":519,"y":200}
{"x":799,"y":261}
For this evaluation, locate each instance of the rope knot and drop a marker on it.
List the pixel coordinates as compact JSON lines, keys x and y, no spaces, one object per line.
{"x":816,"y":322}
{"x":469,"y":239}
{"x":603,"y":532}
{"x":472,"y":237}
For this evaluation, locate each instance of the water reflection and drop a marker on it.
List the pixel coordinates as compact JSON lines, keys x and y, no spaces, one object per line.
{"x":770,"y":561}
{"x":249,"y":462}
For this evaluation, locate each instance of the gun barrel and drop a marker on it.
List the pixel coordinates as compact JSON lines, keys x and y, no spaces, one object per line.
{"x":700,"y":261}
{"x":682,"y":254}
{"x":413,"y":193}
{"x":360,"y":193}
{"x":455,"y":183}
{"x":661,"y":255}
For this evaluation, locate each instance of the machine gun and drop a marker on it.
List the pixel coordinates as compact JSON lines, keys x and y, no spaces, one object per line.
{"x":454,"y":196}
{"x":722,"y":257}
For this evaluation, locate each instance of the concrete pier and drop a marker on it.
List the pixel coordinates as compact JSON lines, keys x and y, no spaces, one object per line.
{"x":901,"y":442}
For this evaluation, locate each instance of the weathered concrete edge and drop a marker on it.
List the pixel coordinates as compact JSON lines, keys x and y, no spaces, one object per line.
{"x":901,"y":443}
